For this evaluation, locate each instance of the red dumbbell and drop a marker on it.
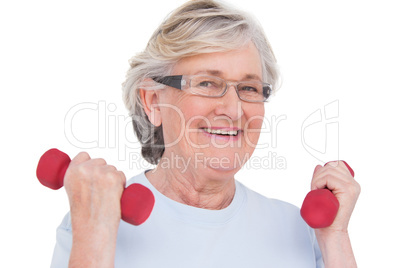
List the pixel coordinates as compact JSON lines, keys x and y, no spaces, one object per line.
{"x":137,"y":200}
{"x":320,"y":206}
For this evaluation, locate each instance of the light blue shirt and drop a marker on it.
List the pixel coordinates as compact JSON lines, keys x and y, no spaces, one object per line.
{"x":253,"y":231}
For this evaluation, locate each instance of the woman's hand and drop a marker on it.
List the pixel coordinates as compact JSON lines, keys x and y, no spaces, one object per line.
{"x":334,"y":240}
{"x":336,"y":177}
{"x":94,"y":190}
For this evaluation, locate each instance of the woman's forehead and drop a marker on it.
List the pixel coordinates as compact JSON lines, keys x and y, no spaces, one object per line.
{"x":243,"y":63}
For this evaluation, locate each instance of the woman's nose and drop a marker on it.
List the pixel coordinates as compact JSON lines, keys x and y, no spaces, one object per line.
{"x":230,"y":104}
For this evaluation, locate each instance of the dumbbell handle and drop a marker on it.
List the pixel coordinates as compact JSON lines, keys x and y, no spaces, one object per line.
{"x":320,"y":206}
{"x":137,"y":201}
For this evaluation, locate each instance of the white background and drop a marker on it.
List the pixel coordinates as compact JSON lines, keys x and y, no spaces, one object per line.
{"x":57,"y":54}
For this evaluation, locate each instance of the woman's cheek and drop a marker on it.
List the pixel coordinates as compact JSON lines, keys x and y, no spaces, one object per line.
{"x":173,"y":123}
{"x":252,"y":130}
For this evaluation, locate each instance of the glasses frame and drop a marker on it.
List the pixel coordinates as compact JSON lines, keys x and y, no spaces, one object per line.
{"x":180,"y":81}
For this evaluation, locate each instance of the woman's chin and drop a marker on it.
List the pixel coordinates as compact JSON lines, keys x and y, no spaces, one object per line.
{"x":224,"y":165}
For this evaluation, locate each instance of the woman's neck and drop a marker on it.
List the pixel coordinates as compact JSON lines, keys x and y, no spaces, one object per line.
{"x":192,"y":187}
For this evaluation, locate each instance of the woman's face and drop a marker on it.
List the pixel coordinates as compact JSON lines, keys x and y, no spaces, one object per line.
{"x":186,"y":117}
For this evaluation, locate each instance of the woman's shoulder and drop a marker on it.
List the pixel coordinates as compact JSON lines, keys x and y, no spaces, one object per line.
{"x":273,"y":205}
{"x":138,"y":178}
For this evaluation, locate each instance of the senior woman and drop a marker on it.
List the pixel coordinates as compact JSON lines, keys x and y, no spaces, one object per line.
{"x":196,"y":96}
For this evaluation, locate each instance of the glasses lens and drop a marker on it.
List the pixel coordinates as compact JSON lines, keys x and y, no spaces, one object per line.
{"x":252,"y":91}
{"x":207,"y":86}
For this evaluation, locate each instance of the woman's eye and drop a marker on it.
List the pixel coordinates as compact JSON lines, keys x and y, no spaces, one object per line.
{"x":249,"y":88}
{"x":208,"y":84}
{"x":204,"y":84}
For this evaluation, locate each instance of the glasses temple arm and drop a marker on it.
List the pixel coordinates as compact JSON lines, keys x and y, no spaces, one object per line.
{"x":172,"y":81}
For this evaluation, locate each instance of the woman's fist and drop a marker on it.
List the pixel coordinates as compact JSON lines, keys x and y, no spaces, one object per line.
{"x":337,"y":176}
{"x":94,"y":189}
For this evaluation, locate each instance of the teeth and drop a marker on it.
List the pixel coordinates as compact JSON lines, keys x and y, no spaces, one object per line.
{"x":221,"y":132}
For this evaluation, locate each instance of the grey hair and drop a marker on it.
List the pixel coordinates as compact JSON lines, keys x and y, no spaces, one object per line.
{"x":197,"y":27}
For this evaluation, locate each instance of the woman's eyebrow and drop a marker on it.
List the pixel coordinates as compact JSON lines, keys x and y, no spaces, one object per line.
{"x":210,"y":72}
{"x":220,"y":74}
{"x":252,"y":77}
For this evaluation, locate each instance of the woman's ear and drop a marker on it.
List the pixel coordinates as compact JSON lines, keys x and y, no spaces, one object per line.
{"x":150,"y":102}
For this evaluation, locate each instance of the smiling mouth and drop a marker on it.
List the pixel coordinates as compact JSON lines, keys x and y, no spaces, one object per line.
{"x":222,"y":132}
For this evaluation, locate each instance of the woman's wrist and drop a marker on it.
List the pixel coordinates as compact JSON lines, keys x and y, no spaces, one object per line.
{"x":93,"y":246}
{"x":336,"y":248}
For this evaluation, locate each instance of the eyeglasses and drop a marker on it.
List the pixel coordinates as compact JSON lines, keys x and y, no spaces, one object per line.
{"x":214,"y":87}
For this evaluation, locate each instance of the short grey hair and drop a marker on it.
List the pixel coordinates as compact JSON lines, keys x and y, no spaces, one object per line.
{"x":196,"y":27}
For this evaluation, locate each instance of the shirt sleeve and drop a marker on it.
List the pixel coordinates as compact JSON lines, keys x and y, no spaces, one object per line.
{"x":61,"y":253}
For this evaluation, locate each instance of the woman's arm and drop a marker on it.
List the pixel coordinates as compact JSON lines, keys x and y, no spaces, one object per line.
{"x":93,"y":246}
{"x":334,"y":240}
{"x":336,"y":248}
{"x":94,"y":190}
